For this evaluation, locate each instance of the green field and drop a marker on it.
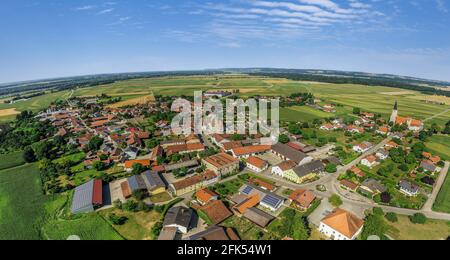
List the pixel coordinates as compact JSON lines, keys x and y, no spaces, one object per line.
{"x":368,"y":98}
{"x":23,"y":207}
{"x":442,"y":203}
{"x":439,"y":145}
{"x":10,"y":160}
{"x":431,"y":230}
{"x":87,"y":227}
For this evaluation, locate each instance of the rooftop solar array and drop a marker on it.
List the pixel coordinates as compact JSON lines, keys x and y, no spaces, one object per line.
{"x":272,"y":201}
{"x":82,"y":198}
{"x":247,"y":190}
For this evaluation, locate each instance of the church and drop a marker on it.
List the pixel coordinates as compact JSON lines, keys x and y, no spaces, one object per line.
{"x":413,"y":124}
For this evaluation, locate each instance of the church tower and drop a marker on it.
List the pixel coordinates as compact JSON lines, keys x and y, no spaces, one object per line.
{"x":394,"y":113}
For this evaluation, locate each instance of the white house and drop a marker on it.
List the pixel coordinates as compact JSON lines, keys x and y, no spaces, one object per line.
{"x":408,"y":188}
{"x":382,"y":154}
{"x":362,"y":148}
{"x":283,"y":167}
{"x":256,"y":164}
{"x":369,"y":161}
{"x":341,"y":225}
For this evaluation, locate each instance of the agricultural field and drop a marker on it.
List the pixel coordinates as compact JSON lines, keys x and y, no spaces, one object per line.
{"x":439,"y":145}
{"x":431,"y":230}
{"x":442,"y":203}
{"x":382,"y":99}
{"x":23,"y":207}
{"x":10,"y":160}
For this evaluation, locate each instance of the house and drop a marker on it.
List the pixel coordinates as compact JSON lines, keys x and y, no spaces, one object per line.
{"x":179,"y":218}
{"x":258,"y":217}
{"x":287,"y":153}
{"x":369,"y":161}
{"x":355,"y":130}
{"x":221,"y":163}
{"x":193,"y":183}
{"x":384,"y":130}
{"x":302,"y":198}
{"x":304,"y":172}
{"x":154,"y":182}
{"x":372,"y":187}
{"x":136,"y":183}
{"x":87,"y":197}
{"x":391,"y":145}
{"x":428,"y":166}
{"x":168,"y":143}
{"x":349,"y":185}
{"x":433,"y":159}
{"x":257,"y":195}
{"x":415,"y":125}
{"x":341,"y":225}
{"x":128,"y":166}
{"x":185,"y":148}
{"x":205,"y":196}
{"x":256,"y":164}
{"x":355,"y":170}
{"x":227,"y":147}
{"x":382,"y":154}
{"x":181,"y":165}
{"x":283,"y":167}
{"x":408,"y":188}
{"x":363,"y":147}
{"x":327,"y":127}
{"x":219,"y":139}
{"x":247,"y":151}
{"x":168,"y":234}
{"x":215,"y":211}
{"x":131,"y":152}
{"x":332,"y":160}
{"x":263,"y":184}
{"x":215,"y":233}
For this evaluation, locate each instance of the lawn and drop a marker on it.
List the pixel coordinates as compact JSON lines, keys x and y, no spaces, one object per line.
{"x":138,"y":225}
{"x":405,"y":230}
{"x":87,"y":227}
{"x":442,"y":203}
{"x":23,"y":207}
{"x":439,"y":145}
{"x":160,"y":198}
{"x":10,"y":160}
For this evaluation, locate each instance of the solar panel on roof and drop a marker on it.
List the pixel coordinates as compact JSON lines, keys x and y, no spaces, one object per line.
{"x":247,"y":190}
{"x":271,"y":201}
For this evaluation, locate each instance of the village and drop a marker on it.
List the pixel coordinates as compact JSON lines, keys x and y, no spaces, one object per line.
{"x":128,"y":158}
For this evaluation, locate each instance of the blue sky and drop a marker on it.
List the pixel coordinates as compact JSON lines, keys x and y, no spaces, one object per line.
{"x":52,"y":38}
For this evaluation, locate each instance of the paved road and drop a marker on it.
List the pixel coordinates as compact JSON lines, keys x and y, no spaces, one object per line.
{"x":432,"y":198}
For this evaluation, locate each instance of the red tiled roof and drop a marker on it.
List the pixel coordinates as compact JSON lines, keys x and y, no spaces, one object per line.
{"x":205,"y":195}
{"x":303,"y":197}
{"x":251,"y":149}
{"x":97,"y":196}
{"x":129,"y":164}
{"x":257,"y":162}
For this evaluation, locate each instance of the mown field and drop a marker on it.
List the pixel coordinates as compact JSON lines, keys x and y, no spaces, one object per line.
{"x":10,"y":160}
{"x":431,"y":230}
{"x":442,"y":203}
{"x":439,"y":145}
{"x":23,"y":207}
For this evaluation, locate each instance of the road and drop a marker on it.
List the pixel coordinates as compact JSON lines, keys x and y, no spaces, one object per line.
{"x":440,"y":181}
{"x":434,"y":116}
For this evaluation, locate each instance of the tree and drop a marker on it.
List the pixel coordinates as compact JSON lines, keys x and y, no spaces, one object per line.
{"x":418,"y":218}
{"x":95,"y":143}
{"x":284,"y":139}
{"x":28,"y":155}
{"x":138,"y":169}
{"x":294,"y":129}
{"x":98,"y":165}
{"x":374,"y":225}
{"x":391,"y":217}
{"x":331,"y":168}
{"x":385,"y":197}
{"x":43,"y":149}
{"x":378,"y":211}
{"x":356,"y":110}
{"x":335,"y":200}
{"x":117,"y":220}
{"x":139,"y":195}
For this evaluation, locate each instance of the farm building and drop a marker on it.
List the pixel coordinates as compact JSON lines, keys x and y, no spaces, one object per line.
{"x":87,"y":197}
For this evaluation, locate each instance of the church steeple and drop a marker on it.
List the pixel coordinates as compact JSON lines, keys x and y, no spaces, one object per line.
{"x":394,"y":113}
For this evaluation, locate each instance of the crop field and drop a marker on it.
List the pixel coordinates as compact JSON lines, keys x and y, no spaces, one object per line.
{"x":135,"y":101}
{"x":303,"y":114}
{"x":10,"y":160}
{"x":9,"y":112}
{"x":439,"y":145}
{"x":368,"y":98}
{"x":442,"y":203}
{"x":23,"y":207}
